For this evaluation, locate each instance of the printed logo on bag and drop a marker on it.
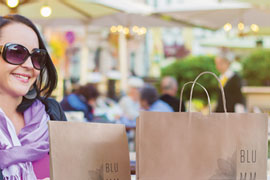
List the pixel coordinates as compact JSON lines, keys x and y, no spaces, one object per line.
{"x":241,"y":166}
{"x":96,"y":174}
{"x":107,"y":171}
{"x":247,"y":164}
{"x":226,"y":169}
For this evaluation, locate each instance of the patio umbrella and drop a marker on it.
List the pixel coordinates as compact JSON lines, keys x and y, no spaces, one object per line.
{"x":258,"y":3}
{"x":133,"y":19}
{"x":129,"y":6}
{"x":63,"y":11}
{"x":215,"y":15}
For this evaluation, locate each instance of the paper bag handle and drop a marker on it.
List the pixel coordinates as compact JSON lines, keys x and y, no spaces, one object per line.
{"x":182,"y":90}
{"x":220,"y":85}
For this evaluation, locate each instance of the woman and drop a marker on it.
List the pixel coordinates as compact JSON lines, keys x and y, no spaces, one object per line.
{"x":26,"y":72}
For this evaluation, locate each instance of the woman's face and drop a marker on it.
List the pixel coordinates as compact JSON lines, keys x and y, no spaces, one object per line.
{"x":16,"y":80}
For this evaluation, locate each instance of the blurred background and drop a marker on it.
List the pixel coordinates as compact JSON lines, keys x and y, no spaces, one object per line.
{"x":107,"y":41}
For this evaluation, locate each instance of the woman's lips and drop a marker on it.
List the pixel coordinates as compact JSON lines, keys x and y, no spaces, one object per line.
{"x":22,"y":77}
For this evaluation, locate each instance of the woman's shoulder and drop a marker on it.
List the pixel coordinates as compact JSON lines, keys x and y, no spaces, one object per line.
{"x":54,"y":109}
{"x":50,"y":101}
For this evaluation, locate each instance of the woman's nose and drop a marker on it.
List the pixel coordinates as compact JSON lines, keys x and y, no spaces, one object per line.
{"x":28,"y":63}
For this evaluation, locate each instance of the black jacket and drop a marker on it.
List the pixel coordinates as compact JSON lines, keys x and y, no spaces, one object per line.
{"x":53,"y":108}
{"x":233,"y":94}
{"x":173,"y":102}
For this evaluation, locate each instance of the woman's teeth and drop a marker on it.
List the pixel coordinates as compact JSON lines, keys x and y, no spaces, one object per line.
{"x":23,"y":77}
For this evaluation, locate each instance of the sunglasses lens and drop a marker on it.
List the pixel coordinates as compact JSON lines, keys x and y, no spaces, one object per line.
{"x":38,"y":58}
{"x":16,"y":54}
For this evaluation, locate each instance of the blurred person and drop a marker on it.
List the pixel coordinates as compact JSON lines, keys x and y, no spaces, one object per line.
{"x":169,"y":88}
{"x":82,"y":99}
{"x":231,"y":83}
{"x":130,"y":103}
{"x":27,"y":79}
{"x":149,"y":100}
{"x":113,"y":76}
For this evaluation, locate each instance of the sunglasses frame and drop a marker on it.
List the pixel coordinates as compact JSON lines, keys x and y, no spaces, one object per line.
{"x":3,"y":51}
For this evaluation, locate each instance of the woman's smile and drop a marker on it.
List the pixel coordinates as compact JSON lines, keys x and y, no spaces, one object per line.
{"x":22,"y":77}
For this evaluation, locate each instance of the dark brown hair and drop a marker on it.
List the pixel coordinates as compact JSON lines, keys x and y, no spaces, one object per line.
{"x":47,"y":80}
{"x":88,"y":91}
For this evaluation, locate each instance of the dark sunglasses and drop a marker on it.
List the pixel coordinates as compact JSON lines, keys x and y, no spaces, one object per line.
{"x":17,"y":54}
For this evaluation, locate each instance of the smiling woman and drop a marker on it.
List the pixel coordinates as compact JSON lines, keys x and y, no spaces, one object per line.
{"x":24,"y":63}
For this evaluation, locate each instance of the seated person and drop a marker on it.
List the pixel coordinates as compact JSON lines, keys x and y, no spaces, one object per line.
{"x":169,"y":87}
{"x":130,"y":103}
{"x":83,"y":99}
{"x":149,"y":100}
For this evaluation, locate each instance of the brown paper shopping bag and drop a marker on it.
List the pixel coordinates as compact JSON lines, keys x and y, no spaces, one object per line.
{"x":193,"y":146}
{"x":88,"y":151}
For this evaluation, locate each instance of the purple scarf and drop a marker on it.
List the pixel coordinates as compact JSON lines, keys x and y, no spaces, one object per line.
{"x":32,"y":143}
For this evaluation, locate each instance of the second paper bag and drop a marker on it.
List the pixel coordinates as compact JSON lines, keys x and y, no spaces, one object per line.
{"x":193,"y":146}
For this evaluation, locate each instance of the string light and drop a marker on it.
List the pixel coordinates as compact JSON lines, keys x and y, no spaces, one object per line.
{"x":227,"y":27}
{"x":241,"y":26}
{"x":143,"y":30}
{"x":113,"y":29}
{"x":126,"y":30}
{"x":135,"y":30}
{"x":12,"y":3}
{"x":254,"y":27}
{"x":120,"y":28}
{"x":46,"y":11}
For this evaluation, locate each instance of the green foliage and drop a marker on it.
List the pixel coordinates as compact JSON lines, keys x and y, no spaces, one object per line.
{"x":188,"y":69}
{"x":268,"y":149}
{"x":256,"y":68}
